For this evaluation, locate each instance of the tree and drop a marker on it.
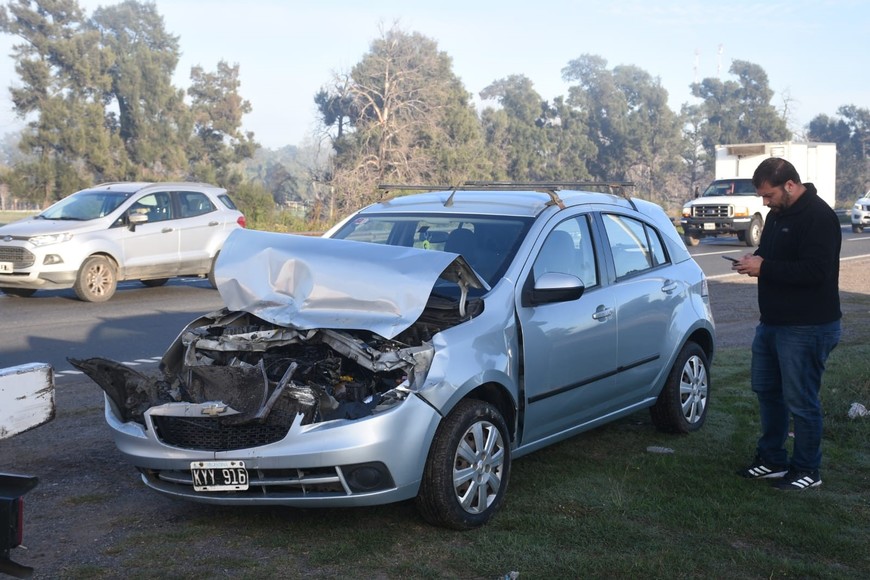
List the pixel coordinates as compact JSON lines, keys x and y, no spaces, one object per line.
{"x":739,"y":111}
{"x":153,"y":122}
{"x":217,"y":109}
{"x":408,"y":120}
{"x":851,"y":133}
{"x":635,"y":136}
{"x":62,"y":82}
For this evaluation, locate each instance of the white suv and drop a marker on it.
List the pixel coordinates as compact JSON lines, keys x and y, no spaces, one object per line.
{"x":96,"y":237}
{"x":861,"y":214}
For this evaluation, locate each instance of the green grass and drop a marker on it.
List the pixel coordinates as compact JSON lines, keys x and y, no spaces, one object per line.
{"x":596,"y":506}
{"x":7,"y":217}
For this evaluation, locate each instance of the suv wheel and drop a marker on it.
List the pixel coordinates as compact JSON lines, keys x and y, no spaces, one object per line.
{"x":753,"y":235}
{"x":19,"y":292}
{"x":691,"y":240}
{"x":682,"y":404}
{"x":97,"y":280}
{"x":211,"y":279}
{"x":857,"y":229}
{"x":468,"y":468}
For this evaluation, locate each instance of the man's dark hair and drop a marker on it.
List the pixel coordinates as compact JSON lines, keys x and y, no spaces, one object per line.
{"x":775,"y":171}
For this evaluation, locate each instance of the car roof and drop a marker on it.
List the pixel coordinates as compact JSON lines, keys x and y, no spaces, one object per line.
{"x":515,"y":200}
{"x":134,"y":186}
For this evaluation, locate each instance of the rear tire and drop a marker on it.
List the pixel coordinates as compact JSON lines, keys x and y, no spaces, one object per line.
{"x":468,"y":468}
{"x":18,"y":292}
{"x":682,"y":404}
{"x":96,"y":280}
{"x":211,"y":279}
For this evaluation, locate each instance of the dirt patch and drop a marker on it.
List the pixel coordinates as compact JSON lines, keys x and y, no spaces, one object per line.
{"x":89,"y":514}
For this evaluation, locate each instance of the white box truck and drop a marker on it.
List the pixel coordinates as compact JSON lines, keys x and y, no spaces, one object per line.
{"x":729,"y":205}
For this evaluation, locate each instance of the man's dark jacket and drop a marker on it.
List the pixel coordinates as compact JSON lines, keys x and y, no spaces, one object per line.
{"x":799,"y":279}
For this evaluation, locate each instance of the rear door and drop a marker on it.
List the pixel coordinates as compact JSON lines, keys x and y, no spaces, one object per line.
{"x":202,"y":231}
{"x":646,"y":299}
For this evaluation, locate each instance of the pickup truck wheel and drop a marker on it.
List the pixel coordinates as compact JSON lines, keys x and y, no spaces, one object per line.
{"x":96,"y":280}
{"x":154,"y":283}
{"x":857,"y":229}
{"x":682,"y":404}
{"x":691,"y":240}
{"x":19,"y":292}
{"x":468,"y":467}
{"x":753,"y":235}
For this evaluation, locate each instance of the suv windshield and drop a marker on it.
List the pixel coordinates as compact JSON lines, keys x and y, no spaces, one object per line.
{"x":85,"y":205}
{"x":729,"y":187}
{"x":488,"y":243}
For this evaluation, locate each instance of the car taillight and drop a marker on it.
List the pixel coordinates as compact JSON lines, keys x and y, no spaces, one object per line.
{"x":241,"y":221}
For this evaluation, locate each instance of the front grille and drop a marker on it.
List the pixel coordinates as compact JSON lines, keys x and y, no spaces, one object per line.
{"x":711,"y":211}
{"x":19,"y":257}
{"x":324,"y":481}
{"x":219,"y":433}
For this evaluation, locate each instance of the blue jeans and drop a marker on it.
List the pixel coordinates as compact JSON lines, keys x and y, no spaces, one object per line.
{"x":787,"y":367}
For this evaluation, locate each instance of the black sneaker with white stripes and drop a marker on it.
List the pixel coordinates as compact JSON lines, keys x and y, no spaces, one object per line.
{"x":762,"y":470}
{"x":798,"y":480}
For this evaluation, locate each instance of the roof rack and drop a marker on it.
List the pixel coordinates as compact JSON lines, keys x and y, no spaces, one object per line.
{"x":549,"y":187}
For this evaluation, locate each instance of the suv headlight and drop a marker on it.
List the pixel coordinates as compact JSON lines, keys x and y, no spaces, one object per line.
{"x":48,"y":239}
{"x":741,"y":211}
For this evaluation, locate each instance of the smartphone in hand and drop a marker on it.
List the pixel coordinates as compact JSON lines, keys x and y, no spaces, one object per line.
{"x":729,"y":258}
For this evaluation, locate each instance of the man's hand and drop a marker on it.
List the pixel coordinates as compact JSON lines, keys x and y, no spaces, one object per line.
{"x":749,"y":265}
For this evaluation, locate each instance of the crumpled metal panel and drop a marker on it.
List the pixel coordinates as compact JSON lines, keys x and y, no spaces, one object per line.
{"x":306,"y":282}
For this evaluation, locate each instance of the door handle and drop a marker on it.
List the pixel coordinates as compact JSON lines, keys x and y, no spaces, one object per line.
{"x":167,"y":230}
{"x":213,"y":223}
{"x":602,"y":313}
{"x":669,"y":286}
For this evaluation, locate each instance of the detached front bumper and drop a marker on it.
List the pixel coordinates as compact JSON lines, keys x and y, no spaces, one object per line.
{"x":374,"y":460}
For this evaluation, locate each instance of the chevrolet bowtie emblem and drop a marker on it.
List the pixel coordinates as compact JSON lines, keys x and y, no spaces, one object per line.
{"x":213,"y":409}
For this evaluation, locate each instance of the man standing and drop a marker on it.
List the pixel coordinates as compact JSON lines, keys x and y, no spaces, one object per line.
{"x":797,"y":265}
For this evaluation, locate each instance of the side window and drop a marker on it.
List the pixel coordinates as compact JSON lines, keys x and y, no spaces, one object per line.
{"x":157,"y":206}
{"x":568,"y":249}
{"x":636,"y":246}
{"x":194,"y":203}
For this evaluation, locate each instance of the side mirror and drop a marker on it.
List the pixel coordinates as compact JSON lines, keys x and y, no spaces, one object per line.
{"x":134,"y":219}
{"x":555,"y":287}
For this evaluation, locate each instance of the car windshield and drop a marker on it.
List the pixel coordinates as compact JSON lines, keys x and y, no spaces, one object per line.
{"x":488,"y":243}
{"x":730,"y":187}
{"x":85,"y":205}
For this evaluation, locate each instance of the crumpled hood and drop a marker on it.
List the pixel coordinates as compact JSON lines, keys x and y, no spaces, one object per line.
{"x":309,"y":282}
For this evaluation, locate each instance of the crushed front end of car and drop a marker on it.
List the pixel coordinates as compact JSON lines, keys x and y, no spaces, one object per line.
{"x":303,"y":391}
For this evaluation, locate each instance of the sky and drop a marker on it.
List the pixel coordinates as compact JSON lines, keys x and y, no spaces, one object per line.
{"x":815,"y":53}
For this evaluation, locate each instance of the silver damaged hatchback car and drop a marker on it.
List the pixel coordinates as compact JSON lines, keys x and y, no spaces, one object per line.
{"x":418,"y":348}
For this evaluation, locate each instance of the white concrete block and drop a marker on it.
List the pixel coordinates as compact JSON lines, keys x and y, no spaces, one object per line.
{"x":26,"y":398}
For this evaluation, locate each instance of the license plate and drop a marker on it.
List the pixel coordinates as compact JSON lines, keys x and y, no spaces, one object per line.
{"x":5,"y":267}
{"x":219,"y":475}
{"x":709,"y":226}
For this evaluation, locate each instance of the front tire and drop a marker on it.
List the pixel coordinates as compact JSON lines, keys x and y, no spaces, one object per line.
{"x":468,"y":468}
{"x":96,"y":280}
{"x":691,"y":240}
{"x":857,"y":229}
{"x":753,"y":235}
{"x":682,"y":404}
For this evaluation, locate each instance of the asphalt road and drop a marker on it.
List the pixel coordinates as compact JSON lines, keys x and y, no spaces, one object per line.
{"x":138,"y":323}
